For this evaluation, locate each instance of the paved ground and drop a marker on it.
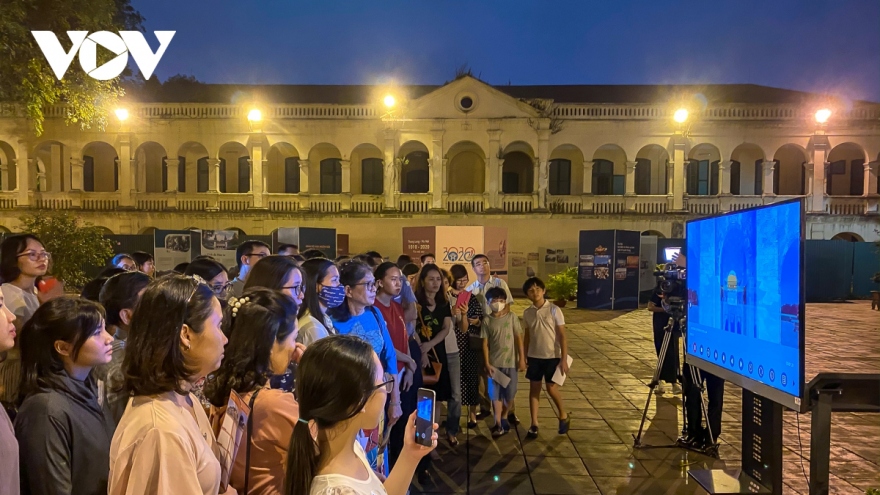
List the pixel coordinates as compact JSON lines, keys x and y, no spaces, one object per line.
{"x":606,"y":391}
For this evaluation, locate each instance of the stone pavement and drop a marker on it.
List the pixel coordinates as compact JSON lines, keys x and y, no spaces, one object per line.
{"x":606,"y":391}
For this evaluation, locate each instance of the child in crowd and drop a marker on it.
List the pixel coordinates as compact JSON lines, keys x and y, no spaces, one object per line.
{"x":546,"y":344}
{"x":503,"y":353}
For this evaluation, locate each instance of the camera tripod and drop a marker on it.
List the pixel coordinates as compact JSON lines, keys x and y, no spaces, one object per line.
{"x":696,"y":381}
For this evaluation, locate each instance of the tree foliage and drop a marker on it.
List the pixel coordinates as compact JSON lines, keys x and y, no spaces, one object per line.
{"x":25,"y":75}
{"x":73,"y":244}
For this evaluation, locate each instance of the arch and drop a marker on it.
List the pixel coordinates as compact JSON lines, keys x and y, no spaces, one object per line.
{"x":193,"y":167}
{"x":411,"y":146}
{"x":235,"y":168}
{"x":7,"y":155}
{"x":789,"y":176}
{"x":845,"y":176}
{"x":562,"y":156}
{"x":702,"y":170}
{"x":100,"y":167}
{"x":241,"y":233}
{"x":415,"y":173}
{"x":517,"y":173}
{"x":147,"y":231}
{"x":656,"y":233}
{"x":747,"y":170}
{"x":367,"y":169}
{"x":53,"y":157}
{"x":282,"y":175}
{"x":466,"y":169}
{"x":609,"y":170}
{"x":848,"y":237}
{"x":519,"y":146}
{"x":104,"y":230}
{"x":150,"y":167}
{"x":651,"y":162}
{"x":325,"y":171}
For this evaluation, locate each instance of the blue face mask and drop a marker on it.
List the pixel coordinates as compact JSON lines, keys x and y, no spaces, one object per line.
{"x":332,"y":296}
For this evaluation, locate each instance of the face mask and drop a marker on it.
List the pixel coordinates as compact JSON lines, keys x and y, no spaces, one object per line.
{"x":497,"y":306}
{"x":332,"y":296}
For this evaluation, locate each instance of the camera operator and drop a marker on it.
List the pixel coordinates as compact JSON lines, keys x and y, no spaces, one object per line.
{"x":697,"y":435}
{"x":671,"y":367}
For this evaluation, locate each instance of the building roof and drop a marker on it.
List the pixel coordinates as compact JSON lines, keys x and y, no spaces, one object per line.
{"x":193,"y":92}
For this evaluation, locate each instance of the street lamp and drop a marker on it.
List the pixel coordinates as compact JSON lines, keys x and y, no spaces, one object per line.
{"x":389,"y":101}
{"x":680,"y":115}
{"x":255,"y":115}
{"x":823,"y":115}
{"x":122,"y":114}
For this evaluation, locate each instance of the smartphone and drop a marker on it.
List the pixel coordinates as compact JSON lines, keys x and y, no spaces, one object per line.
{"x":671,"y":252}
{"x":463,"y":298}
{"x":425,"y":416}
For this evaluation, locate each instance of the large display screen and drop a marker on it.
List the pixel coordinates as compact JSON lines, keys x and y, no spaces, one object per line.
{"x":746,"y":299}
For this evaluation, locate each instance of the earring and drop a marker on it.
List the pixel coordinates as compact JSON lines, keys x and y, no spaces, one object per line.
{"x":186,"y":347}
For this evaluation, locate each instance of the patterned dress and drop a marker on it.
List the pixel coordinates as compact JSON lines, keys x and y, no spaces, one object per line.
{"x":471,"y":360}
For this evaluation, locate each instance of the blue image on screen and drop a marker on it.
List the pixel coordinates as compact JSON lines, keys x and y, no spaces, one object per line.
{"x":424,"y":408}
{"x":744,"y":293}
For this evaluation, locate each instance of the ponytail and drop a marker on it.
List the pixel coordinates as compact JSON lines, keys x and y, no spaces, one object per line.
{"x":302,"y":460}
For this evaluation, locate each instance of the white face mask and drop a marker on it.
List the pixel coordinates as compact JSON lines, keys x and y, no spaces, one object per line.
{"x":497,"y":306}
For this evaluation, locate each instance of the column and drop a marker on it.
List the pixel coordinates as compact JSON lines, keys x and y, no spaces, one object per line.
{"x":808,"y":186}
{"x":171,"y":164}
{"x":437,"y":185}
{"x":125,"y":197}
{"x":724,"y":177}
{"x":22,"y":174}
{"x":257,"y":164}
{"x":493,"y":170}
{"x":670,"y":167}
{"x":55,"y":168}
{"x":4,"y":176}
{"x":346,"y":184}
{"x":390,"y":170}
{"x":630,"y":178}
{"x":767,"y":186}
{"x":588,"y":177}
{"x":820,"y":167}
{"x":871,"y":173}
{"x":304,"y":176}
{"x":678,"y":176}
{"x":76,"y":173}
{"x":542,"y":171}
{"x":213,"y":175}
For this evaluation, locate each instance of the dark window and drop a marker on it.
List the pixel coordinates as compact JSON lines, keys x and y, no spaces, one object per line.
{"x":223,"y":175}
{"x":510,"y":183}
{"x":372,"y":176}
{"x":603,"y":177}
{"x":857,"y":177}
{"x":291,"y":175}
{"x":643,"y":176}
{"x":244,"y":174}
{"x":759,"y":177}
{"x":181,"y":173}
{"x":331,"y":176}
{"x":835,"y":168}
{"x":735,"y":171}
{"x":116,"y":174}
{"x":415,"y":173}
{"x":560,"y":177}
{"x":467,"y":102}
{"x":702,"y":178}
{"x":164,"y":173}
{"x":776,"y":177}
{"x":88,"y":173}
{"x":203,"y":174}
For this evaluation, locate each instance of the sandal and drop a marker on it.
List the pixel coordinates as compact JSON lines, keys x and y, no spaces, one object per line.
{"x":453,"y":442}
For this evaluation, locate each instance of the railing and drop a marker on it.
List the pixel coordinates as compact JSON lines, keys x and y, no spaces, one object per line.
{"x":283,"y":203}
{"x":53,"y":200}
{"x":326,"y":203}
{"x":703,"y":205}
{"x":607,"y":204}
{"x":565,"y":204}
{"x":102,"y":201}
{"x":151,"y":201}
{"x":846,"y":205}
{"x":323,"y":112}
{"x":572,"y":111}
{"x":736,"y":203}
{"x":367,"y":203}
{"x":414,"y":203}
{"x":517,"y":203}
{"x":651,"y":205}
{"x":235,"y":201}
{"x":465,"y":203}
{"x":8,"y":200}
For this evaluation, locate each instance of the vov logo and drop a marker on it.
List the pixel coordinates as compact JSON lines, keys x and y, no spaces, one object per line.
{"x":87,"y":46}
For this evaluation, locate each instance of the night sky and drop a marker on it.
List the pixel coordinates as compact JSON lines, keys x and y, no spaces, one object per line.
{"x":811,"y":45}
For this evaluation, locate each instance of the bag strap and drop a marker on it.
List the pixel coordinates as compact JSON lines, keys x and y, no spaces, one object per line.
{"x":250,"y":430}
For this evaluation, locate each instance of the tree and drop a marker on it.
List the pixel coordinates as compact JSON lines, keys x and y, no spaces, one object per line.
{"x":25,"y":76}
{"x":73,"y":244}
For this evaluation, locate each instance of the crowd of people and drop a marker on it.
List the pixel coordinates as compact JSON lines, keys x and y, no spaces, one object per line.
{"x":123,"y":389}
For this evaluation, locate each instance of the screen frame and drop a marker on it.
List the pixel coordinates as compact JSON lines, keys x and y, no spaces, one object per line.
{"x":796,"y":403}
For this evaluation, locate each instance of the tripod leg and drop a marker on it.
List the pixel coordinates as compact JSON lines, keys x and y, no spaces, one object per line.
{"x":712,"y":448}
{"x":660,"y":359}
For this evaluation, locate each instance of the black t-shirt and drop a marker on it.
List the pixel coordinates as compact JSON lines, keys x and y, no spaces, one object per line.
{"x":660,"y":318}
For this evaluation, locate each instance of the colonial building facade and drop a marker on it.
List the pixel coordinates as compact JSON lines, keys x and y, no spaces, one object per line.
{"x":546,"y":161}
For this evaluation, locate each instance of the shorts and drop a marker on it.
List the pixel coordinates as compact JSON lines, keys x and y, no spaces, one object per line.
{"x":505,"y":394}
{"x":541,"y":369}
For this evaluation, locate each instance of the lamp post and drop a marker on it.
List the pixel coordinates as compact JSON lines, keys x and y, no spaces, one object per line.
{"x":681,"y":117}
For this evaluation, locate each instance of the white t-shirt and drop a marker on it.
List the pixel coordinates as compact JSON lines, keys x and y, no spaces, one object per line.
{"x":337,"y":484}
{"x":479,"y":290}
{"x":451,"y":341}
{"x":311,"y":329}
{"x":541,"y":327}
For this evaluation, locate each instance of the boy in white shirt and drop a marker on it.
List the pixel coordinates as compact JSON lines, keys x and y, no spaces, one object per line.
{"x":503,"y":353}
{"x":546,"y":345}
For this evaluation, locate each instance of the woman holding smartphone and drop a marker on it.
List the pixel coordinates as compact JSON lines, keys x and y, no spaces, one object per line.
{"x":336,"y":402}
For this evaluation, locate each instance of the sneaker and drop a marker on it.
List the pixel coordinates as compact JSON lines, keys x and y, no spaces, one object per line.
{"x":676,"y":389}
{"x":512,"y":419}
{"x":497,"y":431}
{"x":660,"y":389}
{"x":533,"y":432}
{"x":564,"y":425}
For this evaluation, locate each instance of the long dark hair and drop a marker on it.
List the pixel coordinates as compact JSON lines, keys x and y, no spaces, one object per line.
{"x":314,"y":271}
{"x":267,"y":317}
{"x":157,"y":365}
{"x":327,"y":395}
{"x":121,"y":292}
{"x":270,"y":272}
{"x":71,"y":319}
{"x":141,"y":258}
{"x":11,"y":247}
{"x":382,"y":269}
{"x":421,"y":296}
{"x":350,"y":273}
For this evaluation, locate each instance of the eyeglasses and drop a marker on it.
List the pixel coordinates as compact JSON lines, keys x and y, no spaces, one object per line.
{"x":299,"y":289}
{"x":220,"y":289}
{"x":35,"y":256}
{"x":369,"y":285}
{"x":258,"y":255}
{"x":387,"y":386}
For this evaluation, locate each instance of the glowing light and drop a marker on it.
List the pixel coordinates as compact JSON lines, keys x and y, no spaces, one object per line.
{"x":823,"y":115}
{"x":496,"y":478}
{"x":389,"y":101}
{"x":255,"y":115}
{"x":680,"y":115}
{"x":121,"y":114}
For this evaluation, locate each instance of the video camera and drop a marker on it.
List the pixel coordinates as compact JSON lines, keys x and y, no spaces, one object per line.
{"x":672,"y":280}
